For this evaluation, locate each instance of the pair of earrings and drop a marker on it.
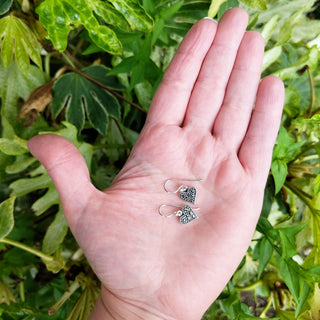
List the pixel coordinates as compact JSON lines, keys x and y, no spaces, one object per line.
{"x":186,"y":193}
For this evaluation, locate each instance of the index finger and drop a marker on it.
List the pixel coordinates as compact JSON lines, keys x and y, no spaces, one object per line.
{"x":170,"y":101}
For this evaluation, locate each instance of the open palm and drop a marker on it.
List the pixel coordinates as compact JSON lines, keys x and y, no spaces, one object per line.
{"x":210,"y":119}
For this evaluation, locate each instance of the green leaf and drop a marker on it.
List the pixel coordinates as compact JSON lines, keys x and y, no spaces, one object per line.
{"x":288,"y":238}
{"x":39,"y":178}
{"x":279,"y":170}
{"x":135,"y":14}
{"x":290,"y":277}
{"x":256,"y":4}
{"x":271,"y":56}
{"x":80,"y":96}
{"x":265,"y":254}
{"x":310,"y":59}
{"x":292,"y":103}
{"x":17,"y":37}
{"x":266,"y":228}
{"x":6,"y":217}
{"x":214,"y":7}
{"x":149,"y":6}
{"x":5,"y":6}
{"x":316,"y":183}
{"x":247,"y":273}
{"x":306,"y":30}
{"x":20,"y":165}
{"x":22,"y":187}
{"x":304,"y":294}
{"x":86,"y":302}
{"x":59,"y":17}
{"x":269,"y":28}
{"x":13,"y":147}
{"x":169,"y":11}
{"x":11,"y":79}
{"x":226,"y":5}
{"x":286,"y":148}
{"x":111,"y":15}
{"x":55,"y":234}
{"x":288,"y":26}
{"x":49,"y":199}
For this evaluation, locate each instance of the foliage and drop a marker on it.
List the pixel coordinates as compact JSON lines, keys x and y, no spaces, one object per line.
{"x":87,"y":70}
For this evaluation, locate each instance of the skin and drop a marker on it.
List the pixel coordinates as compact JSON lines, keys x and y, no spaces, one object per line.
{"x":211,"y":118}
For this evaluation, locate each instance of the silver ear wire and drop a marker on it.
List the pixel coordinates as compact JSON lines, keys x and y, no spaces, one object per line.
{"x":186,"y":193}
{"x":186,"y":213}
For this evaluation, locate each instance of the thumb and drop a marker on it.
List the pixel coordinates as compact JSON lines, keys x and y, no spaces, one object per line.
{"x":68,"y":170}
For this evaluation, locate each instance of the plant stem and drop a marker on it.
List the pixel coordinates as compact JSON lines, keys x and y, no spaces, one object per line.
{"x":22,"y":246}
{"x":68,"y":60}
{"x":116,"y":94}
{"x":21,"y":291}
{"x":263,"y":314}
{"x":251,"y":287}
{"x":313,"y":94}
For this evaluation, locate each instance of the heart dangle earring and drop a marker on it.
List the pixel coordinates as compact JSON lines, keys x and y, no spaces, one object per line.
{"x":186,"y":193}
{"x":186,"y":213}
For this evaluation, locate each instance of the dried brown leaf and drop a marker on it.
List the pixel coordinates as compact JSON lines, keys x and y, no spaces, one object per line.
{"x":36,"y":103}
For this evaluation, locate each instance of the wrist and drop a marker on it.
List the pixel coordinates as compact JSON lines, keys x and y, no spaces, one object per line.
{"x":111,"y":307}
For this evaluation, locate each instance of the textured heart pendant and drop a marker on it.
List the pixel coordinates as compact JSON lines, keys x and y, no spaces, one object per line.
{"x":187,"y":215}
{"x":189,"y":195}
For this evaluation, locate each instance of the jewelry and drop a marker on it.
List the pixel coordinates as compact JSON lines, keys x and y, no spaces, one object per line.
{"x":185,"y":213}
{"x":186,"y":193}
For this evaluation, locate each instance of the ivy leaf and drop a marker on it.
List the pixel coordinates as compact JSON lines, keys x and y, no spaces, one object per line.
{"x":16,"y":37}
{"x":111,"y":15}
{"x":81,"y":96}
{"x":5,"y":6}
{"x":6,"y":217}
{"x":59,"y":17}
{"x":135,"y":14}
{"x":310,"y":59}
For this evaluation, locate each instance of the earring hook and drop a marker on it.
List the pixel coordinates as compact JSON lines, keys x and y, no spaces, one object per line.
{"x":177,"y":213}
{"x":181,"y":188}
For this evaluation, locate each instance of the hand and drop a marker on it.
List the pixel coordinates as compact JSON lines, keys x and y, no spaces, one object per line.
{"x":210,"y":118}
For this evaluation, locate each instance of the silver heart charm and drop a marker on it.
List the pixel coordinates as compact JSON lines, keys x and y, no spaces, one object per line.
{"x":189,"y":195}
{"x":187,"y":215}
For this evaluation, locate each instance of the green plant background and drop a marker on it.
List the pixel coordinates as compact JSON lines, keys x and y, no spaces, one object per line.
{"x":87,"y":70}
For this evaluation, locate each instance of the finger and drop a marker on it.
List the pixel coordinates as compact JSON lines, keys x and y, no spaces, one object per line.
{"x":256,"y":150}
{"x":68,"y":170}
{"x":232,"y":121}
{"x":209,"y":90}
{"x":171,"y":99}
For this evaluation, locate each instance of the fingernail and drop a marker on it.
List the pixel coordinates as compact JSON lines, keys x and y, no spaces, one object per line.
{"x":209,"y":18}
